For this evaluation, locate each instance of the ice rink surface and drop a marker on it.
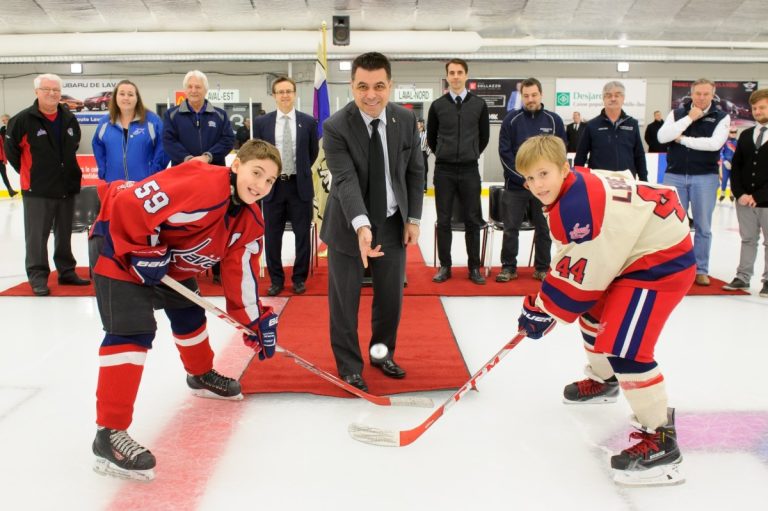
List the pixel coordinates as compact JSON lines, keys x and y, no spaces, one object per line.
{"x":512,"y":445}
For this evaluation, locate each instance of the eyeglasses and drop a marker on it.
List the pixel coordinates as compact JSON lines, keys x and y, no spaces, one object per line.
{"x":48,"y":90}
{"x":284,"y":92}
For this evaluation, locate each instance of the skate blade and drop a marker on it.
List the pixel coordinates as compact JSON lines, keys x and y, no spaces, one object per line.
{"x":593,"y":401}
{"x":105,"y":467}
{"x":212,"y":395}
{"x":664,"y":475}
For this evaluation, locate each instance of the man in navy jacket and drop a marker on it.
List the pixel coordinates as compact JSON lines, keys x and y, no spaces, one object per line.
{"x":612,"y":139}
{"x":295,"y":134}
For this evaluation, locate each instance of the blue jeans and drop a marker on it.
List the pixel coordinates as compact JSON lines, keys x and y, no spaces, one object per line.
{"x":700,"y":190}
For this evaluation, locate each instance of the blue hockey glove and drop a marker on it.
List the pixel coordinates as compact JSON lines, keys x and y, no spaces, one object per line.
{"x":150,"y":265}
{"x":533,"y":320}
{"x":265,"y":340}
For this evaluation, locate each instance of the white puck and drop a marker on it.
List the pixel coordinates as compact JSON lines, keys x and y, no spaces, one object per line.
{"x":379,"y":352}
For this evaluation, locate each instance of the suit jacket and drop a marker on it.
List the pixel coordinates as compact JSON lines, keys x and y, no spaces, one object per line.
{"x":345,"y":141}
{"x":307,"y":147}
{"x":574,"y":135}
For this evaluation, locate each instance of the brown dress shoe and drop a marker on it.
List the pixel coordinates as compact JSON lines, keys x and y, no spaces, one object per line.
{"x":702,"y":280}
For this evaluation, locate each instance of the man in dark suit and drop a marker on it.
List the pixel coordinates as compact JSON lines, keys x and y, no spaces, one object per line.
{"x":573,"y":132}
{"x":374,"y":209}
{"x":652,"y":134}
{"x":295,"y":134}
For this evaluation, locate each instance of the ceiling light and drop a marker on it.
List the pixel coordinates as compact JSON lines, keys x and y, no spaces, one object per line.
{"x":622,"y":67}
{"x":76,"y":68}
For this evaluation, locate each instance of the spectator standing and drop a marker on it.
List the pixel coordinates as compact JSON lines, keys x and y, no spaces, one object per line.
{"x":128,"y":142}
{"x":518,"y":126}
{"x":458,"y":130}
{"x":696,"y":132}
{"x":41,"y":143}
{"x":574,"y":131}
{"x":726,"y":162}
{"x":243,"y":133}
{"x":749,"y":184}
{"x":652,"y":132}
{"x":612,"y":139}
{"x":3,"y":160}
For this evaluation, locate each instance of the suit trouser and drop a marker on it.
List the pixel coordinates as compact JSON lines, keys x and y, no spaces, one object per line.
{"x":285,"y":205}
{"x":40,"y":215}
{"x":751,"y":222}
{"x":462,"y":182}
{"x":514,"y":204}
{"x":345,"y":275}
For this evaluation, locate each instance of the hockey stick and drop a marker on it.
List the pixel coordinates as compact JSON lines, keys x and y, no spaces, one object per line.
{"x":193,"y":297}
{"x":392,"y":438}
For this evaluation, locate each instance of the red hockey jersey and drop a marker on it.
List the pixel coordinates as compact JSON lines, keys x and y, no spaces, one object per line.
{"x":188,"y":209}
{"x":612,"y":230}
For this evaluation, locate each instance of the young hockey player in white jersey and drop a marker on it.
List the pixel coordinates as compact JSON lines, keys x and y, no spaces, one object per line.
{"x":624,"y":261}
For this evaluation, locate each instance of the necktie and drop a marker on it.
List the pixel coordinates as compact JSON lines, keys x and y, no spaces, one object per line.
{"x":287,"y":153}
{"x":458,"y":101}
{"x":377,"y":183}
{"x":760,"y":135}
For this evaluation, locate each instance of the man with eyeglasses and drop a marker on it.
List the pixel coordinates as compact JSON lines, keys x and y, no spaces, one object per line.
{"x":41,"y":142}
{"x":294,"y":133}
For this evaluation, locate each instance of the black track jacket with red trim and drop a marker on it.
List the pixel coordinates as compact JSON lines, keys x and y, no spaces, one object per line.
{"x":48,"y":167}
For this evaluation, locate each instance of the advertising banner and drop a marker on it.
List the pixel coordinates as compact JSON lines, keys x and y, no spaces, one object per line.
{"x":731,"y":97}
{"x":585,"y":95}
{"x":88,"y":98}
{"x":90,"y":170}
{"x":501,"y":95}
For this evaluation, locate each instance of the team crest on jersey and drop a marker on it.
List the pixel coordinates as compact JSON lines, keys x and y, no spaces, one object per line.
{"x":138,"y":131}
{"x":211,"y":124}
{"x":579,"y":232}
{"x":190,"y":256}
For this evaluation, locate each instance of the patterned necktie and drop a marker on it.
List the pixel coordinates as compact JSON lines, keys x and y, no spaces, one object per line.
{"x":760,"y":135}
{"x":287,"y":153}
{"x":377,"y":182}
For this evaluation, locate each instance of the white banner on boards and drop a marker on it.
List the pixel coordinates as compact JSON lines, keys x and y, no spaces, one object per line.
{"x":585,"y":95}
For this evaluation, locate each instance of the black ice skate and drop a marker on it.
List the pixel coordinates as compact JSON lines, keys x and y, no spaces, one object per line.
{"x":119,"y":455}
{"x":654,"y":460}
{"x":214,"y":385}
{"x":591,"y":391}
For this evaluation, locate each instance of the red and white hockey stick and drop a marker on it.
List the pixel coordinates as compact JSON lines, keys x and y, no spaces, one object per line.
{"x":392,"y":438}
{"x":423,"y":402}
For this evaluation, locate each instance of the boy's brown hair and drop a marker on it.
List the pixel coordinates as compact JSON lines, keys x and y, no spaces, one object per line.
{"x":541,"y":147}
{"x":256,"y":149}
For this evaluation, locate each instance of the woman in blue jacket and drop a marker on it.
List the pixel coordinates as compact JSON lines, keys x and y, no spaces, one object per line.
{"x":128,"y":143}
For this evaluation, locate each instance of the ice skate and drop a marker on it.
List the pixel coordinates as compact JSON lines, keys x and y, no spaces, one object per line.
{"x":653,"y":461}
{"x":119,"y":455}
{"x":214,"y":385}
{"x":591,"y":390}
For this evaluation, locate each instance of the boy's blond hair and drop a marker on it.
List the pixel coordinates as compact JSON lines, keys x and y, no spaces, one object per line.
{"x":256,"y":149}
{"x":541,"y":147}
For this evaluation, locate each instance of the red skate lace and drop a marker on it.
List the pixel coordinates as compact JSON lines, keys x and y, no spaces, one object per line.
{"x":589,"y":387}
{"x":648,"y":442}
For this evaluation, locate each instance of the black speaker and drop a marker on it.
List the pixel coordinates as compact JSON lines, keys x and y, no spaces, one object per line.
{"x":341,"y":30}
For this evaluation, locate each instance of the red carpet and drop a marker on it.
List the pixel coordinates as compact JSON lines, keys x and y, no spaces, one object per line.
{"x":426,"y":349}
{"x":419,"y":277}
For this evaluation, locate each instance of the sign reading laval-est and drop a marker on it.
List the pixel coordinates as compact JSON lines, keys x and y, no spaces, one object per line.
{"x":88,"y":98}
{"x":585,"y":95}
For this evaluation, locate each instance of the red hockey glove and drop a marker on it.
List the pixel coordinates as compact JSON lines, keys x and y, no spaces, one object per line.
{"x":533,"y":320}
{"x":265,"y":340}
{"x":150,"y":265}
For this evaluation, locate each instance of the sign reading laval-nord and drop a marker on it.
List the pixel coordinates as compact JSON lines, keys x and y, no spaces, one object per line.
{"x":413,"y":95}
{"x":585,"y":95}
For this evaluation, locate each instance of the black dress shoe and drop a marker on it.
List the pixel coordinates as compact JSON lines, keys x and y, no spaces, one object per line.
{"x":390,"y":368}
{"x":299,"y":288}
{"x":40,"y":289}
{"x":476,"y":277}
{"x":274,"y":290}
{"x":356,"y":381}
{"x":443,"y":274}
{"x":71,"y":279}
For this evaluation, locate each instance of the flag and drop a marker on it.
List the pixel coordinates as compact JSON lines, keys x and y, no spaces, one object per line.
{"x":321,"y":177}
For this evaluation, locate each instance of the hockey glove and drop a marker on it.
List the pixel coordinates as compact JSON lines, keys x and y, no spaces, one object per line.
{"x":265,"y":340}
{"x":150,"y":265}
{"x":533,"y":320}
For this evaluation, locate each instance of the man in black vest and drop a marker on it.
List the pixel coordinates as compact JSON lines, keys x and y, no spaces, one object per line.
{"x":749,"y":184}
{"x":458,"y":129}
{"x":696,"y":132}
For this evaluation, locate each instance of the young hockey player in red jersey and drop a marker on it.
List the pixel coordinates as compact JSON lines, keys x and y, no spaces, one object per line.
{"x":178,"y":222}
{"x":624,"y":261}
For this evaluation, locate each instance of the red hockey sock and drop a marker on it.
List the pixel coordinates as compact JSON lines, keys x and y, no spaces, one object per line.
{"x":120,"y":369}
{"x":195,"y":350}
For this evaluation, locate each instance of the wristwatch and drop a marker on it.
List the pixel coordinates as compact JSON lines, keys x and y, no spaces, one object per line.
{"x":414,"y":221}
